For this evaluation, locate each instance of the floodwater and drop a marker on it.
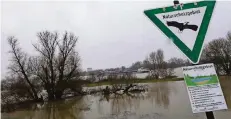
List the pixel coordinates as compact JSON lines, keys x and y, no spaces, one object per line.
{"x":164,"y":100}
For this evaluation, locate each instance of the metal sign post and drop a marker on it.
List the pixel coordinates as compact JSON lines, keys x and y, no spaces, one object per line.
{"x":210,"y":115}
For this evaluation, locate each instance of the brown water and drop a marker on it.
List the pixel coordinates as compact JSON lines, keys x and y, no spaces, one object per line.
{"x":166,"y":100}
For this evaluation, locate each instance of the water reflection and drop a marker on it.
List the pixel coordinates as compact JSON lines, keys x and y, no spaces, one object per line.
{"x":69,"y":109}
{"x":167,"y":100}
{"x":128,"y":105}
{"x":159,"y":94}
{"x":121,"y":103}
{"x":226,"y":87}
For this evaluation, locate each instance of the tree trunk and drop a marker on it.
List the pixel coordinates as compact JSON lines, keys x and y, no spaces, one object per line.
{"x":30,"y":93}
{"x":50,"y":95}
{"x":52,"y":78}
{"x":58,"y":94}
{"x":35,"y":96}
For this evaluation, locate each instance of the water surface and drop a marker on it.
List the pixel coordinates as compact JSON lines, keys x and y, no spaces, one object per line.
{"x":164,"y":100}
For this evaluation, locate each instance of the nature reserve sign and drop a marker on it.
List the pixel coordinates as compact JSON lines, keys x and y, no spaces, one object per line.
{"x":185,"y":25}
{"x":203,"y":87}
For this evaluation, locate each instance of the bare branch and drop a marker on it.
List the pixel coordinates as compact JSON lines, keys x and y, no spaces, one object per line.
{"x":19,"y":63}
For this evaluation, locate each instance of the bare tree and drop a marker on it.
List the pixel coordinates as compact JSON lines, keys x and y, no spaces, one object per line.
{"x":153,"y":64}
{"x":19,"y":65}
{"x":59,"y":62}
{"x":218,"y":52}
{"x":47,"y":48}
{"x":136,"y":65}
{"x":56,"y":68}
{"x":176,"y":62}
{"x":160,"y":58}
{"x":157,"y":63}
{"x":68,"y":61}
{"x":146,"y":63}
{"x":161,"y":64}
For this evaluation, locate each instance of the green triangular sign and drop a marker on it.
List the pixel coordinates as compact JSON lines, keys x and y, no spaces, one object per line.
{"x":185,"y":25}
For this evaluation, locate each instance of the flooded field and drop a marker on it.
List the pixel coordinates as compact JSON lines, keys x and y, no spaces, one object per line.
{"x":164,"y":100}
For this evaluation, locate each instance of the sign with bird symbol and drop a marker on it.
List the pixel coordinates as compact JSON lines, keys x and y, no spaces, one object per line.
{"x":185,"y":24}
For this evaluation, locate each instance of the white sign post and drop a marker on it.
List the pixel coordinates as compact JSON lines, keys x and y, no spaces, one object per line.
{"x":204,"y":89}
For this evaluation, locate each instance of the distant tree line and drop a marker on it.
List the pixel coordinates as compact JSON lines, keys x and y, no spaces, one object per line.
{"x":217,"y":51}
{"x":158,"y":66}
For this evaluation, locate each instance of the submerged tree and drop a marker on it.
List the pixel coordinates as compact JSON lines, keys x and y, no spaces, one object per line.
{"x":60,"y":62}
{"x":55,"y":69}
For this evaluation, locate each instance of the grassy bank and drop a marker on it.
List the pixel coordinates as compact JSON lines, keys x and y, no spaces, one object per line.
{"x":122,"y":81}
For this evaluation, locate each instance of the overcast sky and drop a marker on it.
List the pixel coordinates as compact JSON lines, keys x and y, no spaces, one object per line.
{"x":111,"y":34}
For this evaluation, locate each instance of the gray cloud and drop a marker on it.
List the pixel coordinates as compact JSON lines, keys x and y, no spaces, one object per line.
{"x":111,"y":34}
